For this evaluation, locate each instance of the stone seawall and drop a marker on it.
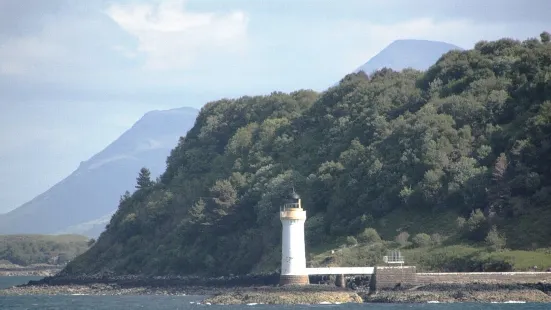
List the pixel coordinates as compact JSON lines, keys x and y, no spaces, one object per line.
{"x":386,"y":278}
{"x":483,"y":277}
{"x":390,"y":277}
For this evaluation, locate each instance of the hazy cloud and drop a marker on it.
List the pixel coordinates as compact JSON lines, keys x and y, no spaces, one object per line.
{"x":67,"y":41}
{"x":172,"y":37}
{"x":21,"y":17}
{"x":487,"y":11}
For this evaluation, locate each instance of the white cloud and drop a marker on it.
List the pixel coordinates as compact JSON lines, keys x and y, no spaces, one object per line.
{"x":174,"y":38}
{"x":66,"y":48}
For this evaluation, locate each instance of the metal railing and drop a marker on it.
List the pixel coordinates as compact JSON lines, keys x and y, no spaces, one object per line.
{"x":394,"y":257}
{"x":288,"y":206}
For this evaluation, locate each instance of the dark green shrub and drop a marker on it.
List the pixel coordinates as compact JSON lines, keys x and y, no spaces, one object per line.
{"x":369,"y":235}
{"x":421,"y":240}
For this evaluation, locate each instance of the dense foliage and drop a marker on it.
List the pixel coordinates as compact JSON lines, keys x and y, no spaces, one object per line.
{"x":467,"y":140}
{"x":41,"y":249}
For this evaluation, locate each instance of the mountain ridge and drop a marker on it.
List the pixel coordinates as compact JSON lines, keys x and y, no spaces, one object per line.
{"x":407,"y":53}
{"x":108,"y":173}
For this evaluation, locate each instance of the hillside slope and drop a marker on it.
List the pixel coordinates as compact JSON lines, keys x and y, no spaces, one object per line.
{"x":402,"y":54}
{"x":93,"y":190}
{"x":460,"y":154}
{"x":40,"y":249}
{"x":91,"y":228}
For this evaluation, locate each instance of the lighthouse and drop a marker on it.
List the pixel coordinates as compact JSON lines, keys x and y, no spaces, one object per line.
{"x":293,"y":254}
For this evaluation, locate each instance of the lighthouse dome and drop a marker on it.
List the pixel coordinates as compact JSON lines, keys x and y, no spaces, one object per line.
{"x":294,"y":195}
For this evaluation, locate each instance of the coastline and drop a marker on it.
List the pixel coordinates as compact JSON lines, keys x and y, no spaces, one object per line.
{"x":469,"y":292}
{"x":26,"y":271}
{"x":257,"y":290}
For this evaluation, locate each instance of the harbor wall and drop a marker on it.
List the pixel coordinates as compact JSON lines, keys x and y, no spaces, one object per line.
{"x":391,"y":277}
{"x":385,"y":278}
{"x":483,"y":277}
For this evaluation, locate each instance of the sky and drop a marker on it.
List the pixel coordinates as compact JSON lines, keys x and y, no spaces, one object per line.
{"x":74,"y":75}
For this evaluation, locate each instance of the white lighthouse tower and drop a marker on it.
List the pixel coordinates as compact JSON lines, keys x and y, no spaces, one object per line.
{"x":293,"y":254}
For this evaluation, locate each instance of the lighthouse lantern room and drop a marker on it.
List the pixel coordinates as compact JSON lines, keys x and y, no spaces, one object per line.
{"x":293,"y":254}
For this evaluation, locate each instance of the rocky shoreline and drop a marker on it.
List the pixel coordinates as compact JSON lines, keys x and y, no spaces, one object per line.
{"x":104,"y":284}
{"x":259,"y":290}
{"x":475,"y":292}
{"x":40,"y":270}
{"x":108,"y":290}
{"x":311,"y":294}
{"x":471,"y":292}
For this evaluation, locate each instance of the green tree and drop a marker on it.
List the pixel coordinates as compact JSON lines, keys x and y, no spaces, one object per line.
{"x":403,"y":238}
{"x":495,"y":240}
{"x":125,"y":197}
{"x":499,"y":192}
{"x":369,"y":235}
{"x":421,"y":240}
{"x":197,"y":212}
{"x":225,"y":196}
{"x":476,"y":226}
{"x":545,"y":37}
{"x":436,"y":239}
{"x":144,"y":179}
{"x":351,"y":241}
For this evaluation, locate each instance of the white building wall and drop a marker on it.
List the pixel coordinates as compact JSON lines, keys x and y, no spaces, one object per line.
{"x":293,"y":260}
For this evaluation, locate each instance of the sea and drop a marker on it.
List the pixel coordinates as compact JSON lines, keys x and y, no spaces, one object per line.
{"x":81,"y":302}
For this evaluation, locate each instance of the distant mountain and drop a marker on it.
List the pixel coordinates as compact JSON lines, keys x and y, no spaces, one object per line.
{"x":91,"y":228}
{"x":401,"y":54}
{"x":84,"y":201}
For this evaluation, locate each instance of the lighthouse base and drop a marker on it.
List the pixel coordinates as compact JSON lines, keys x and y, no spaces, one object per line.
{"x":294,"y":279}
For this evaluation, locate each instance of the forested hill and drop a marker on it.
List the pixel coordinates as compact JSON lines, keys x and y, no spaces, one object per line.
{"x":468,"y":141}
{"x":27,"y":250}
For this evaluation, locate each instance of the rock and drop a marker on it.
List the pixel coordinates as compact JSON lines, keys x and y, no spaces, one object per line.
{"x":313,"y":294}
{"x":251,"y":290}
{"x":461,"y":293}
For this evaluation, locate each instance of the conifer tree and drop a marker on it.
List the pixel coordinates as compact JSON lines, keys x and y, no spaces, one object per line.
{"x":144,"y":179}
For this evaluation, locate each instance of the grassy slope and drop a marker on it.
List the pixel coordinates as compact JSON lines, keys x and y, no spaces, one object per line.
{"x":438,"y":258}
{"x":452,"y":254}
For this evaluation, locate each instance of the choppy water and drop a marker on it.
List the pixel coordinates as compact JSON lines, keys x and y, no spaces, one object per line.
{"x":187,"y":303}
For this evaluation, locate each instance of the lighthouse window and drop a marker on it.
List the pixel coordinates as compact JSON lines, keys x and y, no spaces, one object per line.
{"x":291,"y":206}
